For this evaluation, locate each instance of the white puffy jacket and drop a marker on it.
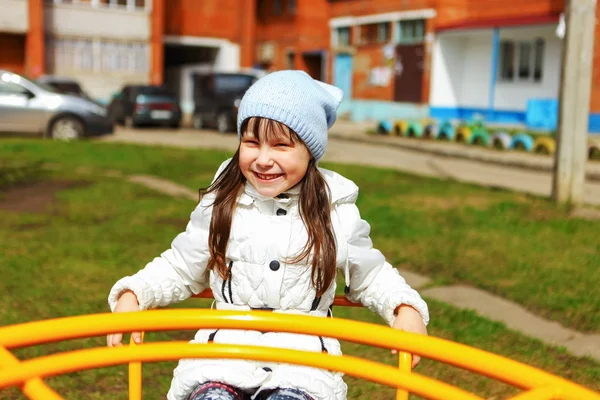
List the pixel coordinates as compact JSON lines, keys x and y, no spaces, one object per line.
{"x":264,"y":233}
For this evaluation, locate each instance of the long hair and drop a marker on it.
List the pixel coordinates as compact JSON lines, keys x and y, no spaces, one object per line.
{"x":314,"y":203}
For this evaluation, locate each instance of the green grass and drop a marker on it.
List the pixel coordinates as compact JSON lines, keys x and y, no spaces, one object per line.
{"x":61,"y":258}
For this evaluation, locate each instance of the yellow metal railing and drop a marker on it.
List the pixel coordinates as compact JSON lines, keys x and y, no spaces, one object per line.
{"x":537,"y":384}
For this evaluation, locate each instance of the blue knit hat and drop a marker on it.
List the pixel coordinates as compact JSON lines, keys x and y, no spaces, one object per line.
{"x":305,"y":105}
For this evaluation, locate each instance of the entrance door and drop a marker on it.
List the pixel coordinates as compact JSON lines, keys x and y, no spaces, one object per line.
{"x":408,"y":73}
{"x":342,"y":76}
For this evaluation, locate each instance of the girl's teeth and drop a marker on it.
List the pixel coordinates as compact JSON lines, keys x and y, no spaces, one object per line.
{"x":267,"y":177}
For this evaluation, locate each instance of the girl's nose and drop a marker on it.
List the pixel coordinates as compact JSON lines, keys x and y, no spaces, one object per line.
{"x":264,"y":157}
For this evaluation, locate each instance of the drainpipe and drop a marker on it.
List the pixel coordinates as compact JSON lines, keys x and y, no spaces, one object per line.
{"x":494,"y":77}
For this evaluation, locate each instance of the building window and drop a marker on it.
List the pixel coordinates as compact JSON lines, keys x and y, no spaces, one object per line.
{"x":411,"y":31}
{"x":291,"y":6}
{"x":375,"y":33}
{"x":343,"y":36}
{"x":290,"y":60}
{"x":87,"y":55}
{"x":277,"y":7}
{"x":128,"y":4}
{"x":521,"y":61}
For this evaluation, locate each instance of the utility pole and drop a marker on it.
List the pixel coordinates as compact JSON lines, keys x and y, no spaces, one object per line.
{"x":574,"y":102}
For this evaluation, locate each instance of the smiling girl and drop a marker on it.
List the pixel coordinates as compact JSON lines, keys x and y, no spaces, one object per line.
{"x":270,"y":233}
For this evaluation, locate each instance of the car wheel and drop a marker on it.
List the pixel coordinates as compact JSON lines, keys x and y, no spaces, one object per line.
{"x":197,"y":121}
{"x":174,"y":125}
{"x":223,"y":124}
{"x":66,"y":129}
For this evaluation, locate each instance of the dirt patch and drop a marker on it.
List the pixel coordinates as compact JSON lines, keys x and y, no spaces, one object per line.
{"x":448,"y":203}
{"x":178,"y":223}
{"x":38,"y":197}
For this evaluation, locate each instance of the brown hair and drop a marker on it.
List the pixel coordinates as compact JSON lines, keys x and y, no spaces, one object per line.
{"x":314,"y":202}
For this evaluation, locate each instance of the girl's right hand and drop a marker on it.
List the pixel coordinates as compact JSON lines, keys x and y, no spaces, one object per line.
{"x":127,"y":302}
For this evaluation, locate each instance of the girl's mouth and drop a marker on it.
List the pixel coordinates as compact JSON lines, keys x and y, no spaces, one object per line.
{"x":267,"y":177}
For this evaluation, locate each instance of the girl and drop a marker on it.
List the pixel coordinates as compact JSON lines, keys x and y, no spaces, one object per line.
{"x":269,"y":234}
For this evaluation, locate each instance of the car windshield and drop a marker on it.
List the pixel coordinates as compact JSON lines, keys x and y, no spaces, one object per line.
{"x":233,"y":83}
{"x":67,"y":88}
{"x":154,"y":91}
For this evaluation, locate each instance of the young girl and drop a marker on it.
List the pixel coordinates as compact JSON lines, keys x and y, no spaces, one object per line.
{"x":269,"y":234}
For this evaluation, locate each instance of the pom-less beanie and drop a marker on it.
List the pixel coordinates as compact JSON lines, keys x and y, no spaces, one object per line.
{"x":305,"y":105}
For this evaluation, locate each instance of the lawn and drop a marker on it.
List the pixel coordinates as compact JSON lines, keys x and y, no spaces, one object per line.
{"x":67,"y":235}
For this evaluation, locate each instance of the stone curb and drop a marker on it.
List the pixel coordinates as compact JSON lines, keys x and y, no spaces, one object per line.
{"x":486,"y":156}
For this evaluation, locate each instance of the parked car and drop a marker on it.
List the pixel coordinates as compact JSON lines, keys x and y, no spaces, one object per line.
{"x":137,"y":105}
{"x":34,"y":108}
{"x":217,"y":97}
{"x":64,"y":85}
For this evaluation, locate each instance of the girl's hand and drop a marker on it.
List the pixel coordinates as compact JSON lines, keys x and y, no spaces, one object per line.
{"x":408,"y":319}
{"x":127,"y":302}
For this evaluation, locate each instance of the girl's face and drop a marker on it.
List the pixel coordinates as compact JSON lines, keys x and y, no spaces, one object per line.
{"x":272,"y":158}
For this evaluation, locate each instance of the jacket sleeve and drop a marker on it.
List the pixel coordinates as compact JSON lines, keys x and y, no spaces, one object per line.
{"x":179,"y":272}
{"x":372,"y":280}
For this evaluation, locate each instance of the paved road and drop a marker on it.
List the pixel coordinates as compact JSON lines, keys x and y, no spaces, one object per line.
{"x":345,"y":151}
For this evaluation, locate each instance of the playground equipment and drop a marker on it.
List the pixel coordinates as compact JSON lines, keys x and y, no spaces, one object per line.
{"x":480,"y":137}
{"x":544,"y":145}
{"x":536,"y":384}
{"x":521,"y":142}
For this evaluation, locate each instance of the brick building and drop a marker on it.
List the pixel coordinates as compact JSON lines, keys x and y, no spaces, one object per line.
{"x":394,"y":59}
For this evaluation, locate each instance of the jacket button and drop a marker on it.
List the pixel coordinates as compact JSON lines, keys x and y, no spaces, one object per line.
{"x":274,"y":265}
{"x":281,"y":211}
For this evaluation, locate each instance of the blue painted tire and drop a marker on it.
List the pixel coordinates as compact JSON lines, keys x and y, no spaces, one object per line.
{"x":480,"y":137}
{"x":522,"y":142}
{"x":447,"y":132}
{"x":384,"y":127}
{"x":415,"y":129}
{"x":431,"y":131}
{"x":501,"y":140}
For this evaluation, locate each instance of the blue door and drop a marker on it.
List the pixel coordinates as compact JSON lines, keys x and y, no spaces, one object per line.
{"x":342,"y":76}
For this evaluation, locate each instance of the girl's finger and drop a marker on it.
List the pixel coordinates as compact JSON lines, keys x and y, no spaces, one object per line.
{"x":416,"y":360}
{"x":116,"y":339}
{"x":137,"y":337}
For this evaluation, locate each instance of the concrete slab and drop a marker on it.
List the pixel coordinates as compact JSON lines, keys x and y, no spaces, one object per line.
{"x":164,"y":186}
{"x":517,"y":318}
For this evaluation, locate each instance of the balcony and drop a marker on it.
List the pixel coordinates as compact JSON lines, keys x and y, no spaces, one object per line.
{"x":13,"y":17}
{"x":98,"y":19}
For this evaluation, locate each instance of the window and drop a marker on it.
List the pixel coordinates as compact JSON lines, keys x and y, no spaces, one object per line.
{"x":81,"y":55}
{"x":129,"y":4}
{"x":521,"y":61}
{"x":290,"y":60}
{"x":375,"y":33}
{"x":277,"y":7}
{"x":411,"y":31}
{"x":343,"y":36}
{"x":538,"y":62}
{"x":9,"y":88}
{"x":291,"y":6}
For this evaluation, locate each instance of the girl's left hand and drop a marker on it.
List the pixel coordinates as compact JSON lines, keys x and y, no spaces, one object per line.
{"x":408,"y":319}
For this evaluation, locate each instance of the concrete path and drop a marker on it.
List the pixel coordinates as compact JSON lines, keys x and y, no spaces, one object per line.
{"x":348,"y":145}
{"x":493,"y":307}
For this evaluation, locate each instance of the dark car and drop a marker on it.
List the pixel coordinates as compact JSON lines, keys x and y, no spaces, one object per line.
{"x":217,"y":97}
{"x":64,"y":85}
{"x":137,"y":105}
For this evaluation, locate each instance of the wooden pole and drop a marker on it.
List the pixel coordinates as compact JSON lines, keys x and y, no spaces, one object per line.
{"x":574,"y":102}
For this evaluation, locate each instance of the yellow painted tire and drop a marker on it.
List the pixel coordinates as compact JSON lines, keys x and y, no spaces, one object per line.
{"x":463,"y":134}
{"x":400,"y":128}
{"x":594,"y":151}
{"x":544,"y":145}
